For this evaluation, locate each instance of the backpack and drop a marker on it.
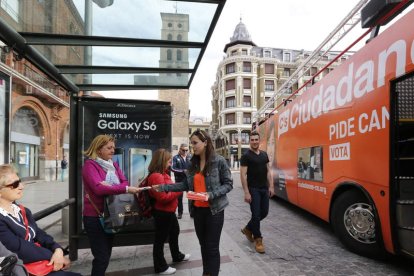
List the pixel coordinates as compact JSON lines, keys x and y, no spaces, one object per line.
{"x":145,"y":201}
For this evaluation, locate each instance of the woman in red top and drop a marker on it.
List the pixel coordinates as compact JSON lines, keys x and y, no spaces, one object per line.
{"x":166,"y":223}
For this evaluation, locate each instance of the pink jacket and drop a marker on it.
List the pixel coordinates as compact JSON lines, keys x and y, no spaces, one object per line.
{"x":92,"y":175}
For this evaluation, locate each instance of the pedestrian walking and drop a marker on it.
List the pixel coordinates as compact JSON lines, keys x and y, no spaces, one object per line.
{"x":256,"y":179}
{"x":180,"y":164}
{"x":208,"y":175}
{"x":63,"y":167}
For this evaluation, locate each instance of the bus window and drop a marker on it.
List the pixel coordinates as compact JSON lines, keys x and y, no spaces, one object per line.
{"x":310,"y":165}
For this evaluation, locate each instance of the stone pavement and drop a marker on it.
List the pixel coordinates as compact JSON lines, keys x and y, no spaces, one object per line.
{"x":297,"y":243}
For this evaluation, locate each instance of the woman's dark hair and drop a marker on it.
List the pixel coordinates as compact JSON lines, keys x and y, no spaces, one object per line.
{"x":195,"y":159}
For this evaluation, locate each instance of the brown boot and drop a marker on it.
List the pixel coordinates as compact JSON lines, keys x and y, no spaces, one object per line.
{"x":259,"y":245}
{"x":248,"y":234}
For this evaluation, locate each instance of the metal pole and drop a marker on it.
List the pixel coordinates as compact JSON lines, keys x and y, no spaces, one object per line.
{"x":57,"y":148}
{"x":88,"y":49}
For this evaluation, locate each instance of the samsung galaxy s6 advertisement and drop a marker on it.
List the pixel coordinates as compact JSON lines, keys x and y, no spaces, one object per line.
{"x":139,"y":128}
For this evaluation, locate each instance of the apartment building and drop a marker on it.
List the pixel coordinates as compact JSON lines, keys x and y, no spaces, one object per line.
{"x":246,"y":78}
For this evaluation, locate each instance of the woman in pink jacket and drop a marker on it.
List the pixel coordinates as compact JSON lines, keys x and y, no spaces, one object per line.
{"x":166,"y":223}
{"x":101,"y":177}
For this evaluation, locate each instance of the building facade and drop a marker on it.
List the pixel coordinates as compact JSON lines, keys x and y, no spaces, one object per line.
{"x":38,"y":108}
{"x":175,"y":26}
{"x":246,"y":78}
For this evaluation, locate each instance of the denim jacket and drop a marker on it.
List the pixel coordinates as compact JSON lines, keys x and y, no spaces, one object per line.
{"x":218,"y":183}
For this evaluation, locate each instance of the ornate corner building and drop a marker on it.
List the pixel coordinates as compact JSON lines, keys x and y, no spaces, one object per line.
{"x":38,"y":108}
{"x":246,"y":78}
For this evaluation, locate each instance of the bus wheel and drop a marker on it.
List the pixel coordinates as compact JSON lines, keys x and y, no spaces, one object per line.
{"x":353,"y":220}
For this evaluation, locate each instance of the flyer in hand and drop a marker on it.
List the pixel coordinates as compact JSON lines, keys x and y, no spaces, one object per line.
{"x":197,"y":196}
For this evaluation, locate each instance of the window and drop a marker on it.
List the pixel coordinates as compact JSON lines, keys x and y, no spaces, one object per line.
{"x":230,"y":102}
{"x":267,"y":54}
{"x":247,"y":83}
{"x":247,"y":66}
{"x":313,"y":71}
{"x":247,"y":101}
{"x":230,"y":119}
{"x":230,"y":68}
{"x":310,"y":163}
{"x":169,"y":54}
{"x":287,"y":57}
{"x":234,"y":52}
{"x":245,"y":137}
{"x":269,"y":85}
{"x":179,"y":37}
{"x":244,"y":52}
{"x":234,"y":138}
{"x":247,"y":118}
{"x":230,"y":84}
{"x":286,"y":72}
{"x":179,"y":55}
{"x":169,"y":37}
{"x":269,"y":68}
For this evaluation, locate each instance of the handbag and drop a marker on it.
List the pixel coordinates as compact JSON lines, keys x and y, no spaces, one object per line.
{"x":39,"y":268}
{"x":101,"y":218}
{"x":121,"y":212}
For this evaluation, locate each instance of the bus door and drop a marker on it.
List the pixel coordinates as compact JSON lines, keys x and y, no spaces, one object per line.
{"x":402,"y":168}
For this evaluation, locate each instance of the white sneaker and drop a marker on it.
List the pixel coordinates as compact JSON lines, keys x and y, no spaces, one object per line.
{"x":186,"y":257}
{"x":170,"y":270}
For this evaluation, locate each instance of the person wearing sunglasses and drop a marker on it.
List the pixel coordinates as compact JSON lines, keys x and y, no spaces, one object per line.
{"x":13,"y":233}
{"x":208,"y":175}
{"x":180,"y":164}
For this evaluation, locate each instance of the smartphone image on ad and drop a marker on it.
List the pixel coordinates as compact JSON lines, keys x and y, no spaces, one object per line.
{"x":139,"y":160}
{"x":119,"y":157}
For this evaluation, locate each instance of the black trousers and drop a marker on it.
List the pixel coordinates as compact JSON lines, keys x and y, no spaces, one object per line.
{"x":101,"y":245}
{"x":208,"y":229}
{"x":180,"y":204}
{"x":166,"y":227}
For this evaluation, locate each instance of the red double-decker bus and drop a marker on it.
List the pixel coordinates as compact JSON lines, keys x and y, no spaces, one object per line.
{"x":344,"y":149}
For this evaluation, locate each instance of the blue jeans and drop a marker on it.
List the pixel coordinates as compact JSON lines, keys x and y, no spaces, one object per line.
{"x":101,"y":245}
{"x":62,"y":174}
{"x":208,"y":229}
{"x":259,"y":206}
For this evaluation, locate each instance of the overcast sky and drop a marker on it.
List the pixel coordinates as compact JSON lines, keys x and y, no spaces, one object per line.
{"x":290,"y":24}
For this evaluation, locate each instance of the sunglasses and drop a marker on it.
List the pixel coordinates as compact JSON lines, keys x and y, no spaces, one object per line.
{"x":13,"y":185}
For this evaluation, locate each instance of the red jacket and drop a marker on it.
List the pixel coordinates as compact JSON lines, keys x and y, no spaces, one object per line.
{"x":164,"y":201}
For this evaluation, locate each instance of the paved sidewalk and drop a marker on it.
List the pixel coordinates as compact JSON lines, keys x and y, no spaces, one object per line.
{"x":297,"y":243}
{"x":137,"y":260}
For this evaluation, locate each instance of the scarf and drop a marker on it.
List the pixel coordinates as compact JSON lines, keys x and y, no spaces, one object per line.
{"x":109,"y":167}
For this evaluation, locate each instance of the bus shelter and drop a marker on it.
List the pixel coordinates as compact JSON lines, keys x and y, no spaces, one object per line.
{"x":107,"y":45}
